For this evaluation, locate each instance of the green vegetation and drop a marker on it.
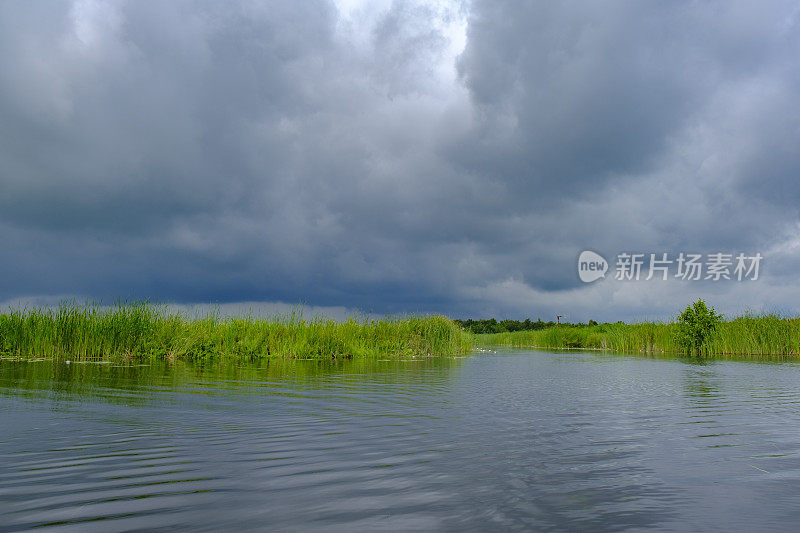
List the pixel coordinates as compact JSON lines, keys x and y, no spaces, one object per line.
{"x":699,"y":331}
{"x":492,"y":325}
{"x":139,"y":331}
{"x":618,"y":337}
{"x":696,"y":325}
{"x":144,"y":332}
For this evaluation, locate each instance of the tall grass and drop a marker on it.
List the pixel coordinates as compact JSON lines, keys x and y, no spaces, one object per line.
{"x":750,"y":335}
{"x":142,"y":331}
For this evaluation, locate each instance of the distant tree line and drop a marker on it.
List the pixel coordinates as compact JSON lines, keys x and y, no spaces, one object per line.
{"x":492,"y":325}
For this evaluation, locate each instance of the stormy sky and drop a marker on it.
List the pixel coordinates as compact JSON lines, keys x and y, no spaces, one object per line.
{"x":398,"y":156}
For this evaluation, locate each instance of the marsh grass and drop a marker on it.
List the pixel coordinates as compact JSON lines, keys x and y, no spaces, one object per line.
{"x":140,"y":331}
{"x":749,"y":336}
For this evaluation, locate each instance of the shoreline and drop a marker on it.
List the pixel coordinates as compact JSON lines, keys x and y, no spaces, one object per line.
{"x":749,"y":336}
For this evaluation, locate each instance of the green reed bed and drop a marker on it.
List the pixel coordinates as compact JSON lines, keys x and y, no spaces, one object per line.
{"x":141,"y":331}
{"x":750,"y":335}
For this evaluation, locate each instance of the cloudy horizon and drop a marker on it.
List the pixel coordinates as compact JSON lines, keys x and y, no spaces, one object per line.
{"x":390,"y":157}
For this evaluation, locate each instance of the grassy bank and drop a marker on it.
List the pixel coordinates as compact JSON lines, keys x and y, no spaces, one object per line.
{"x":132,"y":332}
{"x":767,"y":335}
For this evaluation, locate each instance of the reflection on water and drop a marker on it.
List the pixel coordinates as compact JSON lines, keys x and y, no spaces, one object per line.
{"x":514,"y":440}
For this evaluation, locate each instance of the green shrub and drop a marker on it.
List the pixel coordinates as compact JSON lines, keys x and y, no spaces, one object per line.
{"x":696,"y":324}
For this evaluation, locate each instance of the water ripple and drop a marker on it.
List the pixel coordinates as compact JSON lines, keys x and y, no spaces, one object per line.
{"x":514,"y":440}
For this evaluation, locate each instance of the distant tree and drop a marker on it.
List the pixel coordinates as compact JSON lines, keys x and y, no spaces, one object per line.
{"x":492,"y":325}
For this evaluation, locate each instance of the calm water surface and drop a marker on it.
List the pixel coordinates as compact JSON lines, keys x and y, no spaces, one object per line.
{"x":516,"y":440}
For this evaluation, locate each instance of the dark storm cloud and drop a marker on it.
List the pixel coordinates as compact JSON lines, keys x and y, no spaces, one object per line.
{"x":634,"y":127}
{"x":295,"y":151}
{"x":570,"y":97}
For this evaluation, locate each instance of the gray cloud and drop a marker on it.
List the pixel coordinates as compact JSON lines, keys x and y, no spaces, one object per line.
{"x":358,"y":157}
